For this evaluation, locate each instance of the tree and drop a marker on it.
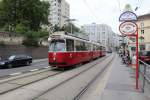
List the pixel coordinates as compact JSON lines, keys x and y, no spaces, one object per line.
{"x":29,"y":13}
{"x":56,"y":28}
{"x":70,"y":27}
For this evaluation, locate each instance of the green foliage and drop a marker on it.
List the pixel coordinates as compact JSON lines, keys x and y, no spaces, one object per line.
{"x":31,"y":13}
{"x":56,"y":28}
{"x":32,"y":37}
{"x":36,"y":34}
{"x":25,"y":17}
{"x":21,"y":29}
{"x":30,"y":42}
{"x":70,"y":26}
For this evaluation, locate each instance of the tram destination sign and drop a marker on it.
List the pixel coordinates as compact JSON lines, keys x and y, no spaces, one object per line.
{"x":128,"y":16}
{"x":128,"y":28}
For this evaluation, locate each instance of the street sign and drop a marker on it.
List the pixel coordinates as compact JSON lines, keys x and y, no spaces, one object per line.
{"x":128,"y":16}
{"x":128,"y":28}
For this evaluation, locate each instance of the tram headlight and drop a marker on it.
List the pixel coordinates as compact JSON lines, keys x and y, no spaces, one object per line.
{"x":49,"y":39}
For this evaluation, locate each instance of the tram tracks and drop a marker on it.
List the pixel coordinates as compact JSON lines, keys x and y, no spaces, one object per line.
{"x":15,"y":83}
{"x":18,"y":82}
{"x":77,"y":97}
{"x":35,"y":79}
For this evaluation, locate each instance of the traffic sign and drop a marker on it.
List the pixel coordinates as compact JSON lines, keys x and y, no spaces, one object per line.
{"x":128,"y":16}
{"x":128,"y":28}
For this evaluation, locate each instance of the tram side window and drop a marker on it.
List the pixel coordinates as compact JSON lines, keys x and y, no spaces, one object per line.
{"x":98,"y":48}
{"x":101,"y":48}
{"x":83,"y":46}
{"x":88,"y":47}
{"x":95,"y":48}
{"x":80,"y":46}
{"x":70,"y":45}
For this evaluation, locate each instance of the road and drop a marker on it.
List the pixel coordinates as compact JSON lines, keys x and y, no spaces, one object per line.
{"x":67,"y":85}
{"x":37,"y":64}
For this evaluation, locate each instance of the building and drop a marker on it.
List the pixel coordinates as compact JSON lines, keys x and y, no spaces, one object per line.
{"x":144,"y":31}
{"x":101,"y":33}
{"x":117,"y":40}
{"x":59,"y":12}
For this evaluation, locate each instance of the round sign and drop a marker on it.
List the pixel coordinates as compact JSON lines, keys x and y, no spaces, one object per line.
{"x":128,"y":28}
{"x":128,"y":16}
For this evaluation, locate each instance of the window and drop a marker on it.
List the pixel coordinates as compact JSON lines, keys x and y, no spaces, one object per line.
{"x":133,"y":48}
{"x":77,"y":45}
{"x":87,"y":46}
{"x":80,"y":46}
{"x":142,"y":47}
{"x":70,"y":45}
{"x":57,"y":45}
{"x":11,"y":57}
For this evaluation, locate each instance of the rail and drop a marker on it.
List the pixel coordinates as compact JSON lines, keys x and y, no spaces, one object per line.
{"x":144,"y":70}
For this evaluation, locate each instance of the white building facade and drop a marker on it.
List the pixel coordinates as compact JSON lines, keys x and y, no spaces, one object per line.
{"x":101,"y":33}
{"x":59,"y":12}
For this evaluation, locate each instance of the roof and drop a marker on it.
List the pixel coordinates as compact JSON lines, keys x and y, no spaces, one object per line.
{"x":145,"y":16}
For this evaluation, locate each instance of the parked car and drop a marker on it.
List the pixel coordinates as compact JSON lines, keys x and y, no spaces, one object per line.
{"x":16,"y":61}
{"x":145,"y":56}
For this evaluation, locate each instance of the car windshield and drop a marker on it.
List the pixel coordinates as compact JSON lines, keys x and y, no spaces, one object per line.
{"x":11,"y":57}
{"x":57,"y":45}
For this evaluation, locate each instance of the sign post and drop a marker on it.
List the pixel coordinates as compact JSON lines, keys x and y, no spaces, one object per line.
{"x":137,"y":62}
{"x":129,"y":28}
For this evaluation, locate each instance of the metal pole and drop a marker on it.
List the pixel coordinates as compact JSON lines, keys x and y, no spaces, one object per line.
{"x":137,"y":62}
{"x":71,"y":28}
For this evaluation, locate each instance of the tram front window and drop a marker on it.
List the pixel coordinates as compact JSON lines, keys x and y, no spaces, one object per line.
{"x":57,"y":45}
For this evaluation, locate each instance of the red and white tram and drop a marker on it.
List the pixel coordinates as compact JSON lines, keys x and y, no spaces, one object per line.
{"x":67,"y":50}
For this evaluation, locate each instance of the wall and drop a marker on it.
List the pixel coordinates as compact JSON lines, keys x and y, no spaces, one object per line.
{"x":11,"y":40}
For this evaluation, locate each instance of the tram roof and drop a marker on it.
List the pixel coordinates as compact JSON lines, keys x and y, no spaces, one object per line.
{"x":65,"y":35}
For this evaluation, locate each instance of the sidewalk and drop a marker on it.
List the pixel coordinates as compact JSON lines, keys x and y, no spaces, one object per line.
{"x":121,"y":84}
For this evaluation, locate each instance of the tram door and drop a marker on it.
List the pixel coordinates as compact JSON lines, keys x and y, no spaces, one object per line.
{"x":70,"y":45}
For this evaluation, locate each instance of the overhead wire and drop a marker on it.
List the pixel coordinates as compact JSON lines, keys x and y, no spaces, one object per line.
{"x":90,"y":9}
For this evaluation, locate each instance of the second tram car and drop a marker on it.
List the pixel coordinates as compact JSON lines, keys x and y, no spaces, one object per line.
{"x":67,"y":50}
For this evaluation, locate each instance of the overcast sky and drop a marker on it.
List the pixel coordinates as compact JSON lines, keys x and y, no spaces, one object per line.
{"x":104,"y":11}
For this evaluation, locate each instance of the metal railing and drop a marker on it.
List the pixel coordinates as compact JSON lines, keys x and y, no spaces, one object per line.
{"x":144,"y":70}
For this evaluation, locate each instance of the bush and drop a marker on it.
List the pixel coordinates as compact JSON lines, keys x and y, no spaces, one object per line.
{"x":32,"y":37}
{"x":2,"y":43}
{"x":31,"y":42}
{"x":21,"y":29}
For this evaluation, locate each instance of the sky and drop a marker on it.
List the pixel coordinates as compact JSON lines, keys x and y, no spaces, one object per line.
{"x":104,"y":11}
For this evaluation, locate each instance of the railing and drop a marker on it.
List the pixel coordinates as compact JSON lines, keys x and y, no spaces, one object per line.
{"x":144,"y":70}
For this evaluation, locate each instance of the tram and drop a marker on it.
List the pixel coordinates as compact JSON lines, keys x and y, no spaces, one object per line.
{"x":66,"y":50}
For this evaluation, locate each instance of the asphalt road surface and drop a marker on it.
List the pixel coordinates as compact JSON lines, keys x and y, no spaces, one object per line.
{"x":37,"y":64}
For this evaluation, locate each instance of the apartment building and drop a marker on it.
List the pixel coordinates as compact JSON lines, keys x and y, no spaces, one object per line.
{"x":59,"y":12}
{"x":101,"y":33}
{"x":144,"y":31}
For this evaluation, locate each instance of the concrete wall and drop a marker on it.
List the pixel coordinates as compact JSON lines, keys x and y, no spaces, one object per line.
{"x":11,"y":40}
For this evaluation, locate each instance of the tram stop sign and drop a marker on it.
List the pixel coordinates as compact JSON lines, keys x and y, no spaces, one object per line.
{"x":128,"y":28}
{"x":128,"y":16}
